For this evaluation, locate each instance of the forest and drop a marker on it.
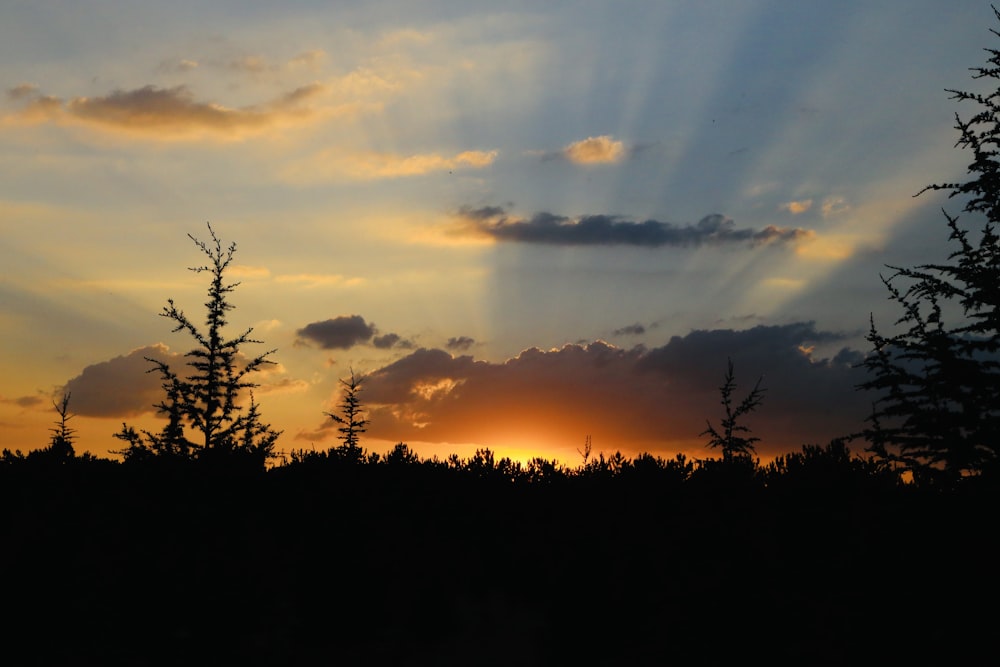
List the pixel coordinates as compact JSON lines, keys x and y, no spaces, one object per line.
{"x":204,"y":543}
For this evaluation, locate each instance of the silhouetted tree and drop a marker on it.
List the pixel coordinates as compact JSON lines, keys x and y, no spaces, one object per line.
{"x":585,"y":452}
{"x":207,"y":400}
{"x":61,"y":443}
{"x":937,"y":412}
{"x":401,"y":455}
{"x":352,"y":422}
{"x":734,"y":445}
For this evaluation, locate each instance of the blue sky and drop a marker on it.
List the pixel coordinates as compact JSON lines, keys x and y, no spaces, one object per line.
{"x":529,"y":223}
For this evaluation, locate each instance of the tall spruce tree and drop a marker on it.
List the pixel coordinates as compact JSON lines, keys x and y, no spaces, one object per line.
{"x":206,"y":401}
{"x":937,"y":410}
{"x":350,"y":418}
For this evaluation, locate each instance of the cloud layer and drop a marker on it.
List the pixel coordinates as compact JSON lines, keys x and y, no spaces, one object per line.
{"x":657,"y":399}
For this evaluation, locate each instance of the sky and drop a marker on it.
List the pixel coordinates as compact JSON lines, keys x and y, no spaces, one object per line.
{"x":524,"y":223}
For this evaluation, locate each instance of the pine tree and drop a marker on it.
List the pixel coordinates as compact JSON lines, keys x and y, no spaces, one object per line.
{"x":937,"y":411}
{"x":61,"y":443}
{"x":734,"y":446}
{"x":352,"y":423}
{"x":206,"y":402}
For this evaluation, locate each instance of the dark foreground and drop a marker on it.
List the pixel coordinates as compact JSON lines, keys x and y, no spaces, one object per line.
{"x":107,"y":564}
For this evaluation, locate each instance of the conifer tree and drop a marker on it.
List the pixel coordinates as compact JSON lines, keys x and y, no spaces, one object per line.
{"x":734,"y":440}
{"x":352,"y":423}
{"x":206,"y":401}
{"x":937,"y":410}
{"x":61,"y":443}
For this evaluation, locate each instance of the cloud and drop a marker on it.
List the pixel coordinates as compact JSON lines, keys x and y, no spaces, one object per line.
{"x":797,"y":207}
{"x":331,"y":165}
{"x":631,"y":330}
{"x":338,"y":333}
{"x":256,"y":65}
{"x":122,"y":386}
{"x":310,"y":280}
{"x":595,"y":150}
{"x":27,"y":402}
{"x":391,"y":340}
{"x":346,"y":331}
{"x":460,"y":343}
{"x":22,"y":91}
{"x":551,"y":229}
{"x":244,"y":271}
{"x":178,"y":65}
{"x":656,"y":399}
{"x":167,"y":112}
{"x":834,"y":206}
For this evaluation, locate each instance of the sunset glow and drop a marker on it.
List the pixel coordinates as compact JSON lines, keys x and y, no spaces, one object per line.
{"x":523,"y":227}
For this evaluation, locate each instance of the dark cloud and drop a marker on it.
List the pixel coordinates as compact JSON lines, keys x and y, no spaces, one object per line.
{"x":460,"y":343}
{"x":631,"y":330}
{"x":386,"y":341}
{"x":339,"y":333}
{"x":390,"y":340}
{"x":125,"y":386}
{"x":122,"y":386}
{"x":27,"y":402}
{"x":655,"y":400}
{"x":548,"y":228}
{"x":346,"y":331}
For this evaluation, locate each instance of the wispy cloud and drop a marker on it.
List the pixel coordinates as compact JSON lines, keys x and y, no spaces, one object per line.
{"x":631,"y":330}
{"x":166,"y":113}
{"x":310,"y":280}
{"x":27,"y":402}
{"x":551,"y":229}
{"x":336,"y":164}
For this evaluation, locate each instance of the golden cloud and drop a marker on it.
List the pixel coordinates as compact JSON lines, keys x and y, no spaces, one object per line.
{"x":370,"y":165}
{"x":170,"y":113}
{"x":318,"y":280}
{"x":595,"y":150}
{"x":797,"y":207}
{"x":244,"y":271}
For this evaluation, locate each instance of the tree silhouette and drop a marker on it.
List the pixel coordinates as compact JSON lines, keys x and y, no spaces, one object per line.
{"x":734,"y":446}
{"x":207,"y":401}
{"x":937,"y":412}
{"x":352,"y":423}
{"x":61,"y":443}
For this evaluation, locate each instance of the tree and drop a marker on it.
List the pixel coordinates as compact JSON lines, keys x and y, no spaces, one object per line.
{"x":937,"y":409}
{"x":61,"y":443}
{"x":735,"y":447}
{"x":207,"y":400}
{"x":352,"y":423}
